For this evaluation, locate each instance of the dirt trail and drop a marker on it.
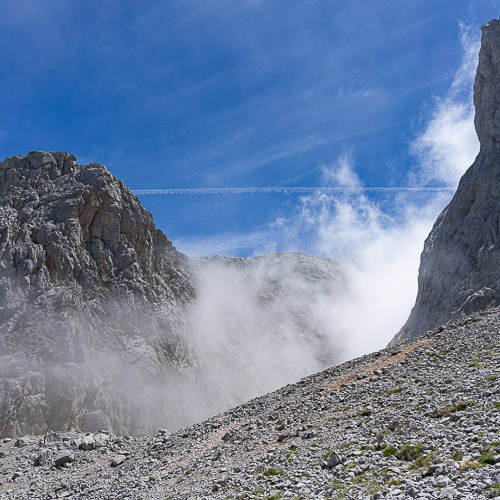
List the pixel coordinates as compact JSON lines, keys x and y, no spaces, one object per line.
{"x":382,"y":363}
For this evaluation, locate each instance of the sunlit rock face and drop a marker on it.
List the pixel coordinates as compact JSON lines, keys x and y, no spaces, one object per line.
{"x":84,"y":275}
{"x":460,"y":264}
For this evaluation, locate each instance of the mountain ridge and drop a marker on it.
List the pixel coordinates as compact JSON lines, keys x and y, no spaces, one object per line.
{"x":105,"y":325}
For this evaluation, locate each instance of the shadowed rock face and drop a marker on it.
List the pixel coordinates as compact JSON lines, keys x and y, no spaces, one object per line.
{"x":460,"y":264}
{"x":84,"y":275}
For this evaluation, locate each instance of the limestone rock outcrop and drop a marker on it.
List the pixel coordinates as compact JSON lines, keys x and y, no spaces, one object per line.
{"x":89,"y":289}
{"x":460,"y":264}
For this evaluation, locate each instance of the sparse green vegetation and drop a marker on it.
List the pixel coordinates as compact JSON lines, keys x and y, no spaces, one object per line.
{"x":446,"y":412}
{"x":410,"y":452}
{"x":395,"y":391}
{"x":336,"y":485}
{"x":365,"y":413}
{"x":486,"y":459}
{"x":394,"y":482}
{"x":272,"y":472}
{"x":495,"y":445}
{"x":389,"y":450}
{"x":457,"y":456}
{"x":422,"y":462}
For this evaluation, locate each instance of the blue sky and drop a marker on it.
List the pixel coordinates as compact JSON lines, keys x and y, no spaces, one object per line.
{"x":249,"y":93}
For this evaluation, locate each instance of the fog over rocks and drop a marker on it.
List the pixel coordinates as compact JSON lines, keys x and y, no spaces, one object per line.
{"x":106,"y":328}
{"x":88,"y":288}
{"x":104,"y":325}
{"x":261,"y":322}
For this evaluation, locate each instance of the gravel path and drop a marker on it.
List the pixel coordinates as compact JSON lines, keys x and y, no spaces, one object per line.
{"x":417,"y":420}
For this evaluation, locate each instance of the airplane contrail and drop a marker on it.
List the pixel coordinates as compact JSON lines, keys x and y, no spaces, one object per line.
{"x":285,"y":190}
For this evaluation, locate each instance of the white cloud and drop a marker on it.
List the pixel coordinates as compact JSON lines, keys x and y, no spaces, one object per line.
{"x":382,"y":258}
{"x":448,"y":144}
{"x":380,"y":249}
{"x":341,"y":173}
{"x":379,"y":252}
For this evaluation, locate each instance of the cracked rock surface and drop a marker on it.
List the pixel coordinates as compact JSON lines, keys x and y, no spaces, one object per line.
{"x":88,"y":285}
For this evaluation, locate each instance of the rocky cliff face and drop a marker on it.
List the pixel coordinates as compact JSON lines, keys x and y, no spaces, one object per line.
{"x":90,"y":291}
{"x":460,"y":264}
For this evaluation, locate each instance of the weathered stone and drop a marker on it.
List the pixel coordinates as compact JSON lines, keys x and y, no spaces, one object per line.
{"x":43,"y":457}
{"x":422,"y":457}
{"x":83,"y":269}
{"x":118,"y":460}
{"x":87,"y":443}
{"x":63,"y":457}
{"x":20,"y":443}
{"x":333,"y":460}
{"x":51,"y":437}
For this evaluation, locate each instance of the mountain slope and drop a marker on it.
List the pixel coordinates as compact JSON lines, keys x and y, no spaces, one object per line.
{"x":420,"y":420}
{"x":460,"y":264}
{"x":104,"y":325}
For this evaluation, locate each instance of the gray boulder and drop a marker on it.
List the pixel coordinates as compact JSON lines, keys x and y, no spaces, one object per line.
{"x":64,"y":457}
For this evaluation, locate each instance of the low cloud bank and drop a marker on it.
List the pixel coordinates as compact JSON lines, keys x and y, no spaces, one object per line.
{"x":262,"y":322}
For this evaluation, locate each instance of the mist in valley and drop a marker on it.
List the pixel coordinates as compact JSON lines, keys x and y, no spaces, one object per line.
{"x":262,"y":322}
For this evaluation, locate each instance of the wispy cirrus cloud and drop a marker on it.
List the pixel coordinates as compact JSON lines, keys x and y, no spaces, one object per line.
{"x":448,"y":143}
